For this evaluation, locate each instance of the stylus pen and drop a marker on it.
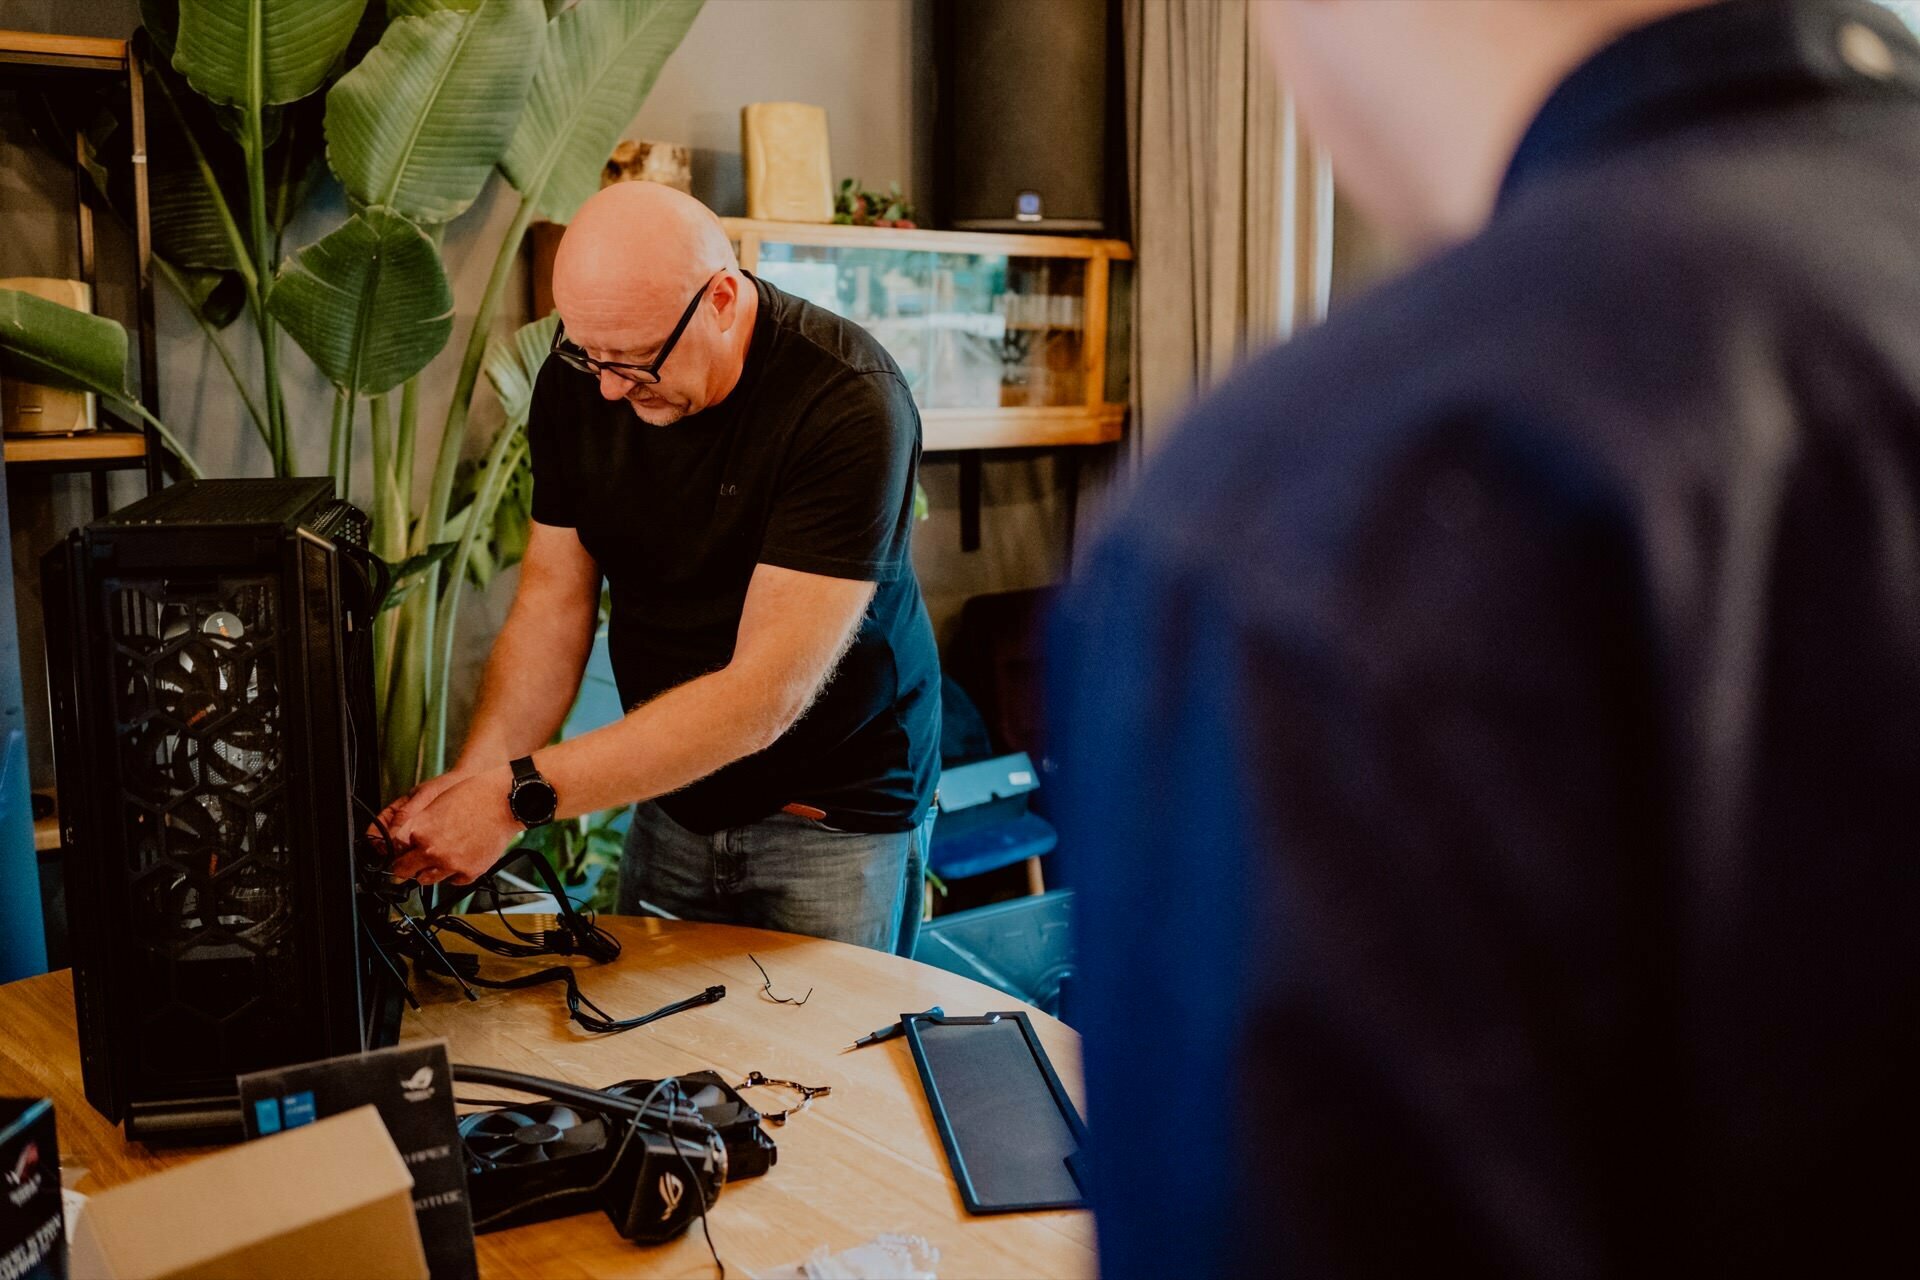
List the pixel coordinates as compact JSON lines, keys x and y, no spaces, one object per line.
{"x":892,"y":1029}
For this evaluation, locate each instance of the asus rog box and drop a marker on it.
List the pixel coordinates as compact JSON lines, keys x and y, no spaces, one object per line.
{"x":331,"y":1200}
{"x":411,"y":1086}
{"x":33,"y":1238}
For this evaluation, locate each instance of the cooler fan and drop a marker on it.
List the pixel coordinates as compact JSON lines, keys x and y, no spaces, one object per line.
{"x":533,"y":1134}
{"x":533,"y":1161}
{"x":216,"y":721}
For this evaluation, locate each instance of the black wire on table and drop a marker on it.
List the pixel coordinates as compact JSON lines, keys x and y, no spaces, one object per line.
{"x":673,"y":1103}
{"x":767,"y":985}
{"x":576,"y":934}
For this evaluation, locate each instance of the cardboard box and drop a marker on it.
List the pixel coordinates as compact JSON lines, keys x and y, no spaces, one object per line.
{"x":32,"y":1244}
{"x":326,"y":1200}
{"x":411,"y":1085}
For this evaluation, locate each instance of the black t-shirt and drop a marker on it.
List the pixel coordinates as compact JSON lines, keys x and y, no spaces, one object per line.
{"x":808,"y":464}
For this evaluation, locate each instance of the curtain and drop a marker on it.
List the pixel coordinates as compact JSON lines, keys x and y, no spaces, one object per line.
{"x":1232,"y":207}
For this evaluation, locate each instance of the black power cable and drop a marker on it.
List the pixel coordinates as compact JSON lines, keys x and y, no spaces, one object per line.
{"x":575,"y":934}
{"x":693,"y":1179}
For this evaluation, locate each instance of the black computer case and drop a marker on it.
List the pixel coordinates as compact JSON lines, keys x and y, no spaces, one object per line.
{"x":210,"y":660}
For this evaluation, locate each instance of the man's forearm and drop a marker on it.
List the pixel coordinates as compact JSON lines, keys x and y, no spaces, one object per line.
{"x":678,"y":738}
{"x":532,"y":677}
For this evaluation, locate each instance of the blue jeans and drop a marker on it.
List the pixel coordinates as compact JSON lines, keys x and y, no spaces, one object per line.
{"x":783,"y":872}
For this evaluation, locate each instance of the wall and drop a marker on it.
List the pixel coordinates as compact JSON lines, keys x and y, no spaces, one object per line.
{"x":853,"y":57}
{"x":866,"y":61}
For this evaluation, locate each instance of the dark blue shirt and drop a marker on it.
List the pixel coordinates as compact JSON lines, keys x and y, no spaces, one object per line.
{"x":1491,"y":733}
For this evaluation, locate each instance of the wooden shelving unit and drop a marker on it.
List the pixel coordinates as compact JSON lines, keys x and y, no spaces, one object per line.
{"x":36,"y":62}
{"x":31,"y":62}
{"x":106,"y":449}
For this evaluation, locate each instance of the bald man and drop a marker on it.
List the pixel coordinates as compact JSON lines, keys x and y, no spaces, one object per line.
{"x":738,"y":466}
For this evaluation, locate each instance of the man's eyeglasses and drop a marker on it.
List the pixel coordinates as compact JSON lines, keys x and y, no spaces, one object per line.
{"x":574,"y":356}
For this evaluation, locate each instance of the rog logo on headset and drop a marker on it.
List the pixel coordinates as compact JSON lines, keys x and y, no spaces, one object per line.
{"x":671,"y":1189}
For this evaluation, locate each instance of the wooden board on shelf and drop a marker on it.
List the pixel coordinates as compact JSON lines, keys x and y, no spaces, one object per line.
{"x":77,"y":50}
{"x":98,"y":446}
{"x":945,"y":430}
{"x":1011,"y":244}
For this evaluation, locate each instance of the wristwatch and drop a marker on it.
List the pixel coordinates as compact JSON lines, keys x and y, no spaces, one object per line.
{"x":531,"y":798}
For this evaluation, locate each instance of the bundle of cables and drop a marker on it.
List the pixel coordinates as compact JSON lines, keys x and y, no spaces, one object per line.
{"x":412,"y":927}
{"x":399,"y":919}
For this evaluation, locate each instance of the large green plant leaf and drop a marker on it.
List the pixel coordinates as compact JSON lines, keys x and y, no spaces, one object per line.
{"x":295,"y":41}
{"x":369,"y":303}
{"x":184,"y":214}
{"x":293,"y":165}
{"x":160,"y":19}
{"x":504,"y":506}
{"x":218,"y":296}
{"x":397,"y":9}
{"x":421,"y":122}
{"x":513,"y":366}
{"x":186,"y":225}
{"x":412,"y":573}
{"x":599,"y":63}
{"x":56,"y":346}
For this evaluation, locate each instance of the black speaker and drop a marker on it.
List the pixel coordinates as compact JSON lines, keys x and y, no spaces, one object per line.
{"x":210,"y":662}
{"x":1026,"y":118}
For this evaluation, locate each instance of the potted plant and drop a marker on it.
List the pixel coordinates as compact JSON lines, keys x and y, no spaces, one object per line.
{"x":855,"y":206}
{"x":417,"y":104}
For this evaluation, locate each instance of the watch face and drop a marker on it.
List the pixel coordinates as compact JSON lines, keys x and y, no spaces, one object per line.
{"x":533,"y":801}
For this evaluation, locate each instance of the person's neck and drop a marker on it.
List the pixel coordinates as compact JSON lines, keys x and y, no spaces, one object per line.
{"x":1479,"y":100}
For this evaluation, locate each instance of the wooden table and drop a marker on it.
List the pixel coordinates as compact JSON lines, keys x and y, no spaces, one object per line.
{"x":861,"y":1162}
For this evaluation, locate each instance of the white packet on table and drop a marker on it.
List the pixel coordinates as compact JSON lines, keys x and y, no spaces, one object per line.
{"x":885,"y":1257}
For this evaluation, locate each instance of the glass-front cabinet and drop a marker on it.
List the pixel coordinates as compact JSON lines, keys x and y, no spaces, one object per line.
{"x":1006,"y":340}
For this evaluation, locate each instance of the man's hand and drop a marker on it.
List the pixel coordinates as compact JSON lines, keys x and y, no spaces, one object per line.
{"x":403,"y":807}
{"x":459,"y":831}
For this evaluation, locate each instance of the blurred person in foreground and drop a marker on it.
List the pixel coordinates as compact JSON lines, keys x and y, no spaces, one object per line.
{"x":1491,"y":726}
